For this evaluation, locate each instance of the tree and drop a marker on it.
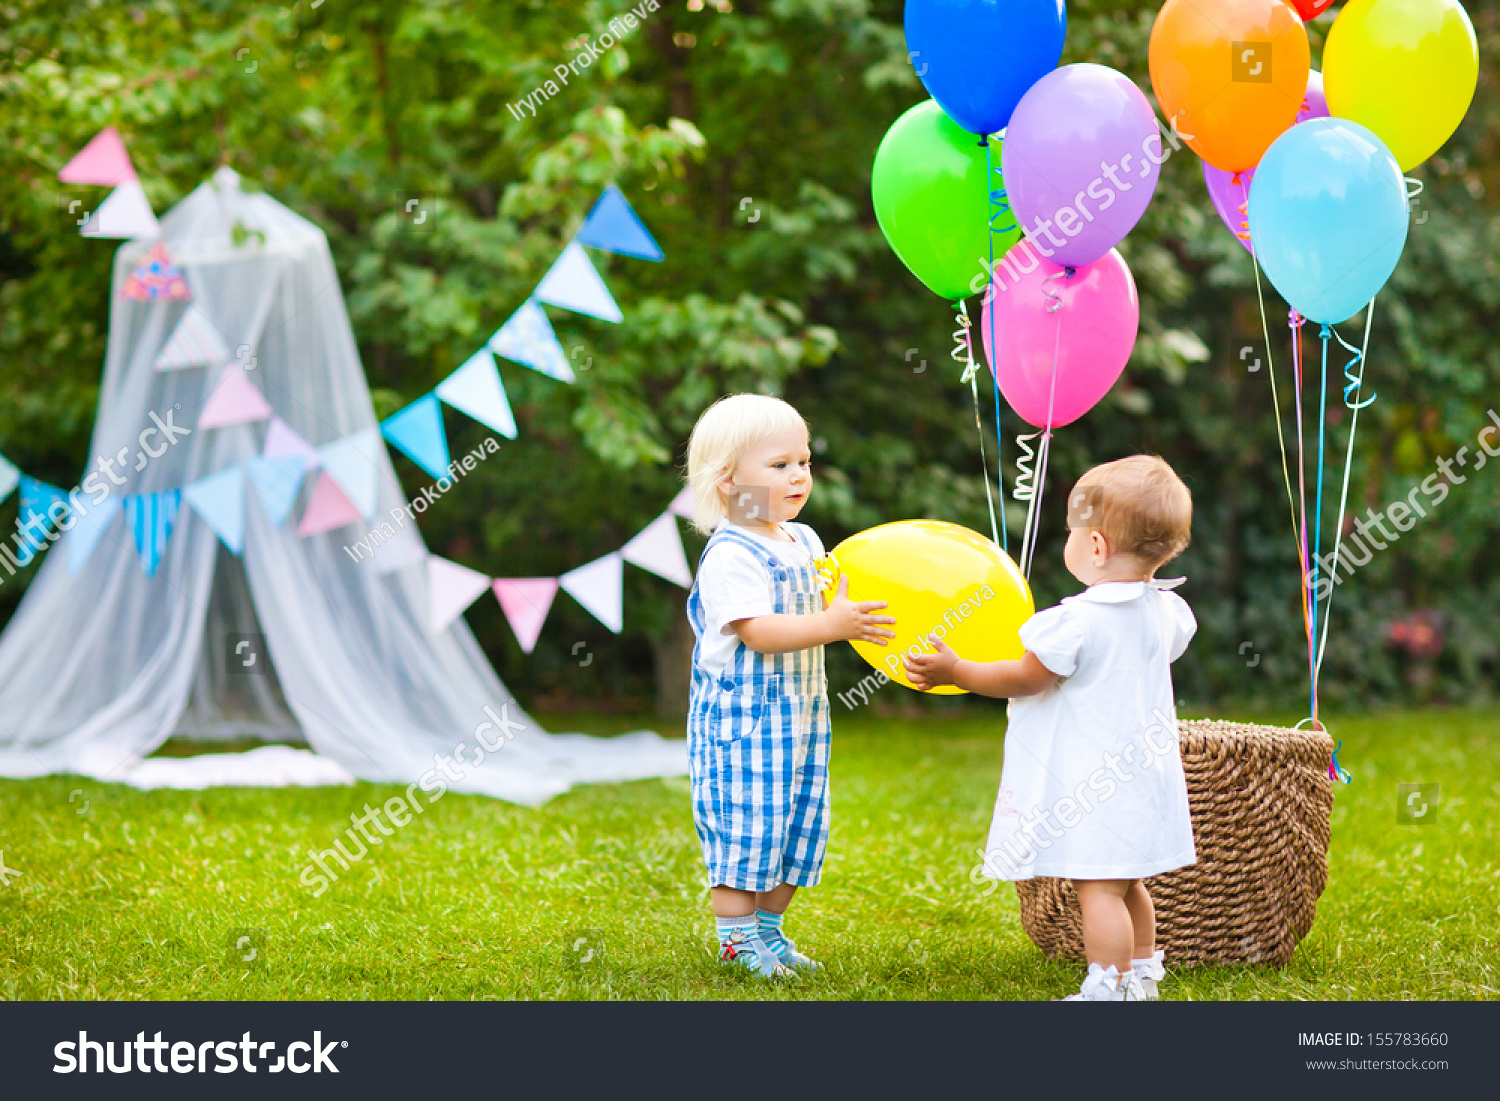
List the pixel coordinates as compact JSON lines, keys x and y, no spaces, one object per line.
{"x":743,"y":131}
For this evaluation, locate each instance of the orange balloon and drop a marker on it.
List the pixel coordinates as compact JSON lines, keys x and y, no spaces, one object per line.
{"x":1229,"y":74}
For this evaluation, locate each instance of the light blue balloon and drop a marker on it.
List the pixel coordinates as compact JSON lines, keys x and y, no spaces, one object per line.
{"x":1328,"y":217}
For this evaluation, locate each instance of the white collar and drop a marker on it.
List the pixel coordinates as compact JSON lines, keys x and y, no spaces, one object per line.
{"x":1118,"y":592}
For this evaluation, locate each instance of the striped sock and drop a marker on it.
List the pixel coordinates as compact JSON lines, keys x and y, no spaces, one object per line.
{"x":769,"y":925}
{"x":739,"y":941}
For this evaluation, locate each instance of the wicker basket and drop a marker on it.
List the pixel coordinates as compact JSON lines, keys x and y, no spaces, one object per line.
{"x":1260,"y":799}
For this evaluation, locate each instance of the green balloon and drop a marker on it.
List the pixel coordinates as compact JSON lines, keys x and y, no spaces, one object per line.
{"x":932,"y":201}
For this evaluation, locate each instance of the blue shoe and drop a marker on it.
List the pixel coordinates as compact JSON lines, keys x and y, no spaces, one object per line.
{"x":752,"y":952}
{"x":795,"y":959}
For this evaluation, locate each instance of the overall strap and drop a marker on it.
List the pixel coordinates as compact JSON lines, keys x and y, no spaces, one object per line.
{"x":734,"y":535}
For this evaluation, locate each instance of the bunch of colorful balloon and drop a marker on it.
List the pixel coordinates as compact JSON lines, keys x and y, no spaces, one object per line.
{"x":1307,"y":171}
{"x":1079,"y":153}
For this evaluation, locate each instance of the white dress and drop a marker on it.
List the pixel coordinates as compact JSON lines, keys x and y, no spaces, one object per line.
{"x":1092,"y":786}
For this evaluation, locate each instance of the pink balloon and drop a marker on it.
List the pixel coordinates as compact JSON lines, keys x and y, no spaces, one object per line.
{"x":1086,"y":339}
{"x":1230,"y":191}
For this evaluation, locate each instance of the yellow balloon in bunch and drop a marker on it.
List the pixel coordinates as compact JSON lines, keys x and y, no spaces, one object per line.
{"x":938,"y":578}
{"x":1405,"y":69}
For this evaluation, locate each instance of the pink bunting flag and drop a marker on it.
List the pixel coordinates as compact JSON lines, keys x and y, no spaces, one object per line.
{"x":450,"y":589}
{"x":328,"y":509}
{"x":682,"y":504}
{"x":103,"y":162}
{"x":282,"y":439}
{"x":525,"y":601}
{"x":235,"y":400}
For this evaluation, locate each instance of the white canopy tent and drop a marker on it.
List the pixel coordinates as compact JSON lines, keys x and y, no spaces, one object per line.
{"x":99,"y":668}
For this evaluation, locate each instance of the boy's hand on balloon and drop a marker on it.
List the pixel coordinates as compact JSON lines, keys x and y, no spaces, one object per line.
{"x":931,"y":670}
{"x":855,"y":620}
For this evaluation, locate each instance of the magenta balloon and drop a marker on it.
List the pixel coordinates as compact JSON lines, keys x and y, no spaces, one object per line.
{"x":1230,"y":191}
{"x":1091,"y":334}
{"x":1082,"y":156}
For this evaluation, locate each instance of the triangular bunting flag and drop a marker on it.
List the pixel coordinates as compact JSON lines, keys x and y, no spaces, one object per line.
{"x":88,"y":528}
{"x":418,"y":431}
{"x":156,"y":277}
{"x":328,"y":509}
{"x":615,"y":227}
{"x":598,"y":586}
{"x":450,"y":589}
{"x":234,"y":400}
{"x":125,"y":212}
{"x":277,"y":480}
{"x":658,"y":548}
{"x":151,"y":517}
{"x":475,"y":389}
{"x":525,"y":601}
{"x":573,"y":284}
{"x":527,"y":338}
{"x":194,"y":343}
{"x":36,"y":516}
{"x":220,"y":500}
{"x":102,"y":162}
{"x":281,"y":440}
{"x":354,"y":463}
{"x":10,"y":477}
{"x":682,"y":504}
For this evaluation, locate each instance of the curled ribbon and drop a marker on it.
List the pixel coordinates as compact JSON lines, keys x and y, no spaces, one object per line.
{"x":962,"y":350}
{"x":1355,"y":381}
{"x":1026,"y":468}
{"x":1337,"y":771}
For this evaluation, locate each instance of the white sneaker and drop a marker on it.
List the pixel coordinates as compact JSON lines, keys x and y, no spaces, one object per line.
{"x":1148,"y":973}
{"x":1103,"y":985}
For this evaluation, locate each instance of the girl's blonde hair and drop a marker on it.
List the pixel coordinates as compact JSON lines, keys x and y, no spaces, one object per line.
{"x":721,"y":435}
{"x":1139,"y":503}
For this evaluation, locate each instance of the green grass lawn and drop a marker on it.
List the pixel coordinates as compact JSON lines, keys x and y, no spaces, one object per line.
{"x":599,"y":894}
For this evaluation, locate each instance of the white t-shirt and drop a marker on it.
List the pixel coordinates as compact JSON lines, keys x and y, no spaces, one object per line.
{"x":1096,"y":756}
{"x":734,"y":584}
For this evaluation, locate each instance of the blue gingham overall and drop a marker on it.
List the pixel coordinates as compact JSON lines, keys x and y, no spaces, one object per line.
{"x":758,"y":741}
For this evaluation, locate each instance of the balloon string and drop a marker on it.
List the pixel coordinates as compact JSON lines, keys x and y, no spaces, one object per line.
{"x":1265,"y":329}
{"x":999,"y":204}
{"x":1034,"y":511}
{"x":961,"y":338}
{"x":1337,"y":771}
{"x":1026,"y":478}
{"x":1303,"y":590}
{"x":1351,"y":399}
{"x":1243,"y":233}
{"x":1318,"y":516}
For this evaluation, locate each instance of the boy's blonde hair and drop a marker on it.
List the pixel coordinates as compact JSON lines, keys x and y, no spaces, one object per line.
{"x":1139,"y":503}
{"x":721,"y":435}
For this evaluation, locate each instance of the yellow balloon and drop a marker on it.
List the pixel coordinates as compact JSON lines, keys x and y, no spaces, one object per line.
{"x":1406,"y":69}
{"x":939,"y":578}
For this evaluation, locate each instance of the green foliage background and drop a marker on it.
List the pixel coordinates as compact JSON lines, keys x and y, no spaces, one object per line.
{"x":706,"y":117}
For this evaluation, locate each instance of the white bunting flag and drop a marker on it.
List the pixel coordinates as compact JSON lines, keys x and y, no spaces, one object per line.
{"x":658,"y":548}
{"x":598,"y":587}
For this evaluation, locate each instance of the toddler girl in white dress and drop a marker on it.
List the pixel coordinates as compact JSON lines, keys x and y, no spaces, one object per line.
{"x":1092,"y":788}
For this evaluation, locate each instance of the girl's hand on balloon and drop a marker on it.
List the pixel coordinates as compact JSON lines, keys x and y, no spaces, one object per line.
{"x":931,"y":670}
{"x":855,"y":620}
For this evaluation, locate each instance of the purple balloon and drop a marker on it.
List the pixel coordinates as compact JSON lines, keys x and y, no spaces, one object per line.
{"x":1081,"y":159}
{"x":1230,"y":191}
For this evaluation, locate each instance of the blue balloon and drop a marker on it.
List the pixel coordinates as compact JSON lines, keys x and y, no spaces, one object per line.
{"x":1328,"y":217}
{"x":978,"y":57}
